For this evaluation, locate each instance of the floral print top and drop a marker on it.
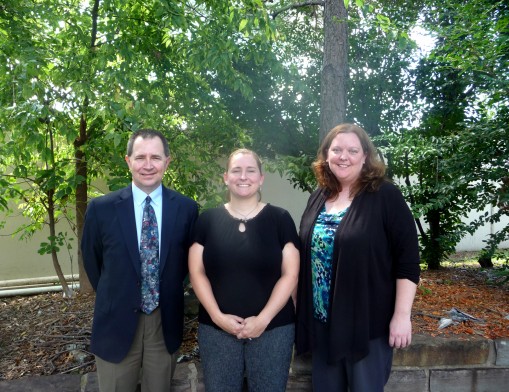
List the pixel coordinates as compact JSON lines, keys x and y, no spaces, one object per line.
{"x":322,"y":245}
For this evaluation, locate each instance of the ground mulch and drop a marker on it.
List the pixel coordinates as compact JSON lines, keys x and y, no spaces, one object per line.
{"x":471,"y":291}
{"x":47,"y":334}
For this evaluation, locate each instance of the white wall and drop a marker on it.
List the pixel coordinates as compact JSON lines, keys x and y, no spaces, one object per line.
{"x":19,"y":258}
{"x":280,"y":193}
{"x":475,"y":242}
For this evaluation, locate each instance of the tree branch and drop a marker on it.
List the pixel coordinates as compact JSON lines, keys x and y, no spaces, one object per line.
{"x":95,"y":16}
{"x":298,"y":5}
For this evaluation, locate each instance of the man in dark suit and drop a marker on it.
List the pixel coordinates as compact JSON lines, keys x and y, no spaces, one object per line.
{"x":138,"y":277}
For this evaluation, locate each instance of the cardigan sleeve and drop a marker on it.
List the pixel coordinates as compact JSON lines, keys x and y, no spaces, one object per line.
{"x":402,"y":234}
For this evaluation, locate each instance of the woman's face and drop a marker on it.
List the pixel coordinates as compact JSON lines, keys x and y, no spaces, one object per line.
{"x":243,"y":177}
{"x":345,"y":157}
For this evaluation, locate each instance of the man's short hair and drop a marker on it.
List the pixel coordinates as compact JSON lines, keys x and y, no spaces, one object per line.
{"x":147,"y":133}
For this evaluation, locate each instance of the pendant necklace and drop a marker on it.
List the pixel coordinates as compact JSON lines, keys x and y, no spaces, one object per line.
{"x":244,"y":219}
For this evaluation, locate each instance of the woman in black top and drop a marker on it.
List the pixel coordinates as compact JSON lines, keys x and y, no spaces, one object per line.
{"x":359,"y":267}
{"x":244,"y":267}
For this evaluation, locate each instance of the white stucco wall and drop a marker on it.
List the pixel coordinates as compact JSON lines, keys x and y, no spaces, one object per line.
{"x":280,"y":192}
{"x":19,"y":258}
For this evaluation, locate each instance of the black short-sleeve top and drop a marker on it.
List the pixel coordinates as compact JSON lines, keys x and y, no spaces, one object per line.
{"x":243,"y":267}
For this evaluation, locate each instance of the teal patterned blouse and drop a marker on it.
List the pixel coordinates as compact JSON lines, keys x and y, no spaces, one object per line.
{"x":322,"y":245}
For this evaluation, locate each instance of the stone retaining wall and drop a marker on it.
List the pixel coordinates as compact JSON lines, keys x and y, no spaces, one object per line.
{"x":470,"y":364}
{"x":435,"y":364}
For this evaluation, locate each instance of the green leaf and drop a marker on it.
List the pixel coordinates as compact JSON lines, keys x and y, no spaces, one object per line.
{"x":243,"y":24}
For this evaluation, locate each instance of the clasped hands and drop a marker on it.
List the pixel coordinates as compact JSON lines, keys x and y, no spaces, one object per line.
{"x":248,"y":328}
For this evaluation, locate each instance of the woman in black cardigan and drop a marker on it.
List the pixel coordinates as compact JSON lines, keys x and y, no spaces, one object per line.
{"x":359,"y":267}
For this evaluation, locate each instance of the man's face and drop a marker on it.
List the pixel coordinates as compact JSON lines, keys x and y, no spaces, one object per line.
{"x":147,"y":163}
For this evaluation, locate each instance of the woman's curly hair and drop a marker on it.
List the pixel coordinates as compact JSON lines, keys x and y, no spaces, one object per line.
{"x":373,"y":170}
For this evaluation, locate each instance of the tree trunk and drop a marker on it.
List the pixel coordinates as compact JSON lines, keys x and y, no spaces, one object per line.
{"x":68,"y":293}
{"x":81,"y":200}
{"x":433,"y":252}
{"x":81,"y":165}
{"x":334,"y":78}
{"x":485,"y":262}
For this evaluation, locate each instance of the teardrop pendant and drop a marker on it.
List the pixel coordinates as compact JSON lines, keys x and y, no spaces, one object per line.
{"x":242,"y":227}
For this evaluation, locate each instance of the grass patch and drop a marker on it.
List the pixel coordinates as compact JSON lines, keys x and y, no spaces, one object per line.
{"x":470,"y":260}
{"x":498,"y":275}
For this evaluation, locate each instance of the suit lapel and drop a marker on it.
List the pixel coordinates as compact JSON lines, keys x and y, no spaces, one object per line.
{"x":170,"y":210}
{"x":124,"y":208}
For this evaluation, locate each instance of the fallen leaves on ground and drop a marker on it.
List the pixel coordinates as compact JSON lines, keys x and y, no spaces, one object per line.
{"x":47,"y":334}
{"x":469,"y":289}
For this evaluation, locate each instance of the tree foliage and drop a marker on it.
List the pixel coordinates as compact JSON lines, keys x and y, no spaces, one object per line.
{"x":79,"y":76}
{"x":378,"y":87}
{"x":459,"y":154}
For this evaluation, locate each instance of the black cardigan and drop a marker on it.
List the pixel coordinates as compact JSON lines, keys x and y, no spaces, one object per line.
{"x":375,"y":244}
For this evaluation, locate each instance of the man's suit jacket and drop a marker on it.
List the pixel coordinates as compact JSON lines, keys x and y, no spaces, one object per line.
{"x":112,"y":261}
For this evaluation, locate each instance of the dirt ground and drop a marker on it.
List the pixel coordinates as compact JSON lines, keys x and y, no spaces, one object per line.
{"x":46,"y":334}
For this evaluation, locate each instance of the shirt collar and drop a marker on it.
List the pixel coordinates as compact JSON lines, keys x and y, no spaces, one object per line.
{"x":139,"y":196}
